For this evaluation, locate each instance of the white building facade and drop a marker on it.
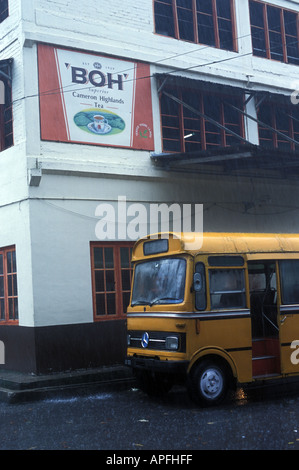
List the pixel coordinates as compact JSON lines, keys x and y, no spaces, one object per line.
{"x":109,"y":108}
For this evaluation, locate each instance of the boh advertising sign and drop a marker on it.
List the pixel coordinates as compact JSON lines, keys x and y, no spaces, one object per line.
{"x":94,"y":99}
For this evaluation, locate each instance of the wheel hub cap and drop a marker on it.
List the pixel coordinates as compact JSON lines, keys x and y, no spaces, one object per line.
{"x":211,"y":383}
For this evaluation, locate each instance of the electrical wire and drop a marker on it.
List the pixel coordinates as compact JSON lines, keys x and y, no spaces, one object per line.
{"x":183,"y":69}
{"x":283,"y":208}
{"x":58,"y":90}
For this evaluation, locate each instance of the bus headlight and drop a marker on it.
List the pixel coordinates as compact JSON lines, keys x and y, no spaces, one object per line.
{"x":172,"y":343}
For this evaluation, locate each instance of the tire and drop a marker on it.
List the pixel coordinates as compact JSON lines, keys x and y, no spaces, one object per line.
{"x":209,"y":383}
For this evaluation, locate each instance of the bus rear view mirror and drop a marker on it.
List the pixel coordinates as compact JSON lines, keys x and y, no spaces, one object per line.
{"x":197,"y":282}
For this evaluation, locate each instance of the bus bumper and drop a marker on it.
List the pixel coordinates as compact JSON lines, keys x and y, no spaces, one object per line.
{"x":155,"y":365}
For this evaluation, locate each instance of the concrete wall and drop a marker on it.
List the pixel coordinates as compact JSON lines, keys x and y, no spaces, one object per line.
{"x":62,"y":226}
{"x":14,"y":204}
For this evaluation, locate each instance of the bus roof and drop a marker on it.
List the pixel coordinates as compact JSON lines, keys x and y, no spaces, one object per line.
{"x":224,"y":243}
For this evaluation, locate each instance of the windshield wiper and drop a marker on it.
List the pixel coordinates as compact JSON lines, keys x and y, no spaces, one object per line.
{"x":140,"y":302}
{"x":153,"y":302}
{"x":161,"y":298}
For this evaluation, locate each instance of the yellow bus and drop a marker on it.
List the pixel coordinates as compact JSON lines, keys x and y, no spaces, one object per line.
{"x":220,"y":315}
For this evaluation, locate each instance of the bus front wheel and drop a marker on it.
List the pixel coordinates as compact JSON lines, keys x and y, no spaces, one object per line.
{"x":209,"y":383}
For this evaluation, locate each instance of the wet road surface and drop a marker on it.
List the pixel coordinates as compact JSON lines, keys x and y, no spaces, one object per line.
{"x":262,"y":419}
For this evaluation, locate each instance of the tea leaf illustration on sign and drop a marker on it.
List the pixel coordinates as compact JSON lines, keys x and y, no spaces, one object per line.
{"x":101,"y":122}
{"x":144,"y":133}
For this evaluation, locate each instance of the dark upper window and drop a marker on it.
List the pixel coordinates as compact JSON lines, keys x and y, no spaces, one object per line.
{"x":3,"y":10}
{"x":201,"y":21}
{"x":274,"y":32}
{"x":281,"y":118}
{"x":6,"y":127}
{"x":183,"y":130}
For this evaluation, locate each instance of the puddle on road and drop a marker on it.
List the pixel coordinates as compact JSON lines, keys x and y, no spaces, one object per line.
{"x":99,"y":396}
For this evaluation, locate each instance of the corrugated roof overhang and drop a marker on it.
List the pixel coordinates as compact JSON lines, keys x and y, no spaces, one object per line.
{"x":176,"y":80}
{"x":244,"y":160}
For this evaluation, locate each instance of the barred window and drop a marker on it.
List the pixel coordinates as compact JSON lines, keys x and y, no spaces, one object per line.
{"x":208,"y":22}
{"x":3,"y":10}
{"x":274,"y":32}
{"x":6,"y":118}
{"x":281,"y":118}
{"x":185,"y":131}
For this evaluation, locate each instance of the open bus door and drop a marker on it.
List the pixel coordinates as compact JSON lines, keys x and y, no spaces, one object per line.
{"x":288,"y":319}
{"x":264,"y":313}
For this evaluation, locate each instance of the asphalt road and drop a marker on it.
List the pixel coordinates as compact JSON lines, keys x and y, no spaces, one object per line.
{"x":130,"y":420}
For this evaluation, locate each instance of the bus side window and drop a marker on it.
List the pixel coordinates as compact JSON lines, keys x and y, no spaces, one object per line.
{"x":227,"y":288}
{"x":200,"y":295}
{"x":289,"y":276}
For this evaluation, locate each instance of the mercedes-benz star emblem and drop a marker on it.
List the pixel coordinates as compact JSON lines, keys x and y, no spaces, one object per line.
{"x":145,"y":340}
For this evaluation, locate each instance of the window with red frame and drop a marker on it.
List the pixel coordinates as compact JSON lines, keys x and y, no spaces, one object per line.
{"x":3,"y":10}
{"x":282,"y":118}
{"x":111,"y":279}
{"x":208,"y":22}
{"x":185,"y":131}
{"x":275,"y":33}
{"x":8,"y":286}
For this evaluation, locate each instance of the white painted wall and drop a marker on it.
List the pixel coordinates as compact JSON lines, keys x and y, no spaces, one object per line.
{"x":14,"y":205}
{"x":61,"y":229}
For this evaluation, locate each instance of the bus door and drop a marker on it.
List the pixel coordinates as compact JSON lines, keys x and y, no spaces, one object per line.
{"x":226,"y":322}
{"x":289,"y":315}
{"x":264,"y":309}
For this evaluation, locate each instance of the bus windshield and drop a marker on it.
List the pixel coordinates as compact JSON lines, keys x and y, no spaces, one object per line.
{"x":160,"y":281}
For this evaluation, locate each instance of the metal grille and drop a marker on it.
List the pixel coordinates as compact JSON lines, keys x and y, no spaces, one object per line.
{"x":156,"y":340}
